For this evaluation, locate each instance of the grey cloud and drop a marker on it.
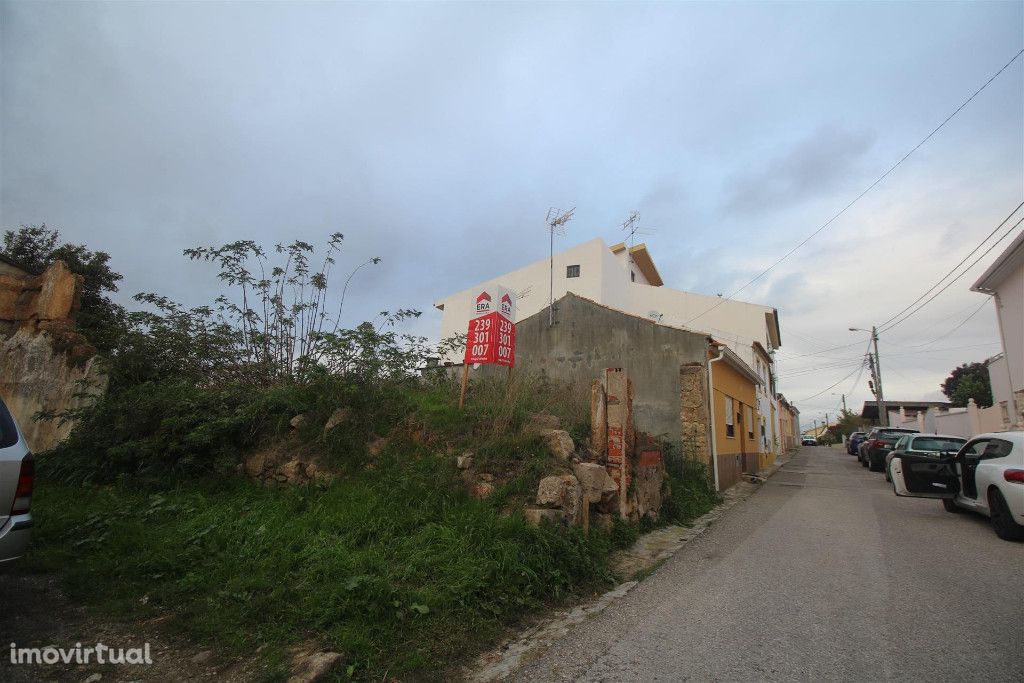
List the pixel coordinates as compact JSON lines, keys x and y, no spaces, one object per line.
{"x":814,"y":166}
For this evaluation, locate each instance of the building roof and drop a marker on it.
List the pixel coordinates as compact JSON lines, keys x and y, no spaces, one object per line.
{"x":1006,"y":263}
{"x":870,"y":409}
{"x":642,"y":258}
{"x":783,"y":401}
{"x":657,"y":323}
{"x":774,"y":333}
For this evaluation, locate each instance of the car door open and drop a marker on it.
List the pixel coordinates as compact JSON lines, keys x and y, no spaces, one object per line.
{"x":925,"y":476}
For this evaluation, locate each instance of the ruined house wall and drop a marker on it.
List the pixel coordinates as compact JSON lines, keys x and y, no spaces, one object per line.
{"x":588,"y":338}
{"x":44,"y":363}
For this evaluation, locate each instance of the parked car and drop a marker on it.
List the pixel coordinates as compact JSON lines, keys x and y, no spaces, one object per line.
{"x":924,"y":444}
{"x":16,"y":478}
{"x":986,"y":476}
{"x":808,"y":441}
{"x":877,"y":444}
{"x":854,"y":441}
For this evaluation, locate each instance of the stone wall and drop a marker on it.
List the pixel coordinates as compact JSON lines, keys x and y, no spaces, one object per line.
{"x":44,"y":364}
{"x":587,"y":338}
{"x":693,"y":403}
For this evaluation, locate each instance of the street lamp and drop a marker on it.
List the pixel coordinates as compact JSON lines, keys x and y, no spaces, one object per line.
{"x":876,"y":375}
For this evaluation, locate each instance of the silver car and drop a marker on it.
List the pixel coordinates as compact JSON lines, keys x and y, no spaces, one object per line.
{"x":17,"y":471}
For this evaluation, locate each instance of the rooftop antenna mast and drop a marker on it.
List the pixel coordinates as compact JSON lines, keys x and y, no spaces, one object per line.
{"x":632,"y":228}
{"x":556,"y":220}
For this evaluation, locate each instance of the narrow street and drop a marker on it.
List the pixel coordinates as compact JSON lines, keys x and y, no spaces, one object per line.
{"x":823,"y":574}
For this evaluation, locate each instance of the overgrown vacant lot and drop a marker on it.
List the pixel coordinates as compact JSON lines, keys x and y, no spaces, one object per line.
{"x":392,"y":564}
{"x":383,"y":551}
{"x":396,"y":569}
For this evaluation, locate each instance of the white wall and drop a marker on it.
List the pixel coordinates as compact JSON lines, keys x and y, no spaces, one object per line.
{"x":963,"y":422}
{"x":1010,"y":310}
{"x":534,"y":281}
{"x":626,"y":261}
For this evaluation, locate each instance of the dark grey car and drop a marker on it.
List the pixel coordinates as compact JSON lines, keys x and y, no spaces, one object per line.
{"x":17,"y":473}
{"x":877,"y":445}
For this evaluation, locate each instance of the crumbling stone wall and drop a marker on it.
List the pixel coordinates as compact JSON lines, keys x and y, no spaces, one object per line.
{"x":693,"y":403}
{"x":44,"y":364}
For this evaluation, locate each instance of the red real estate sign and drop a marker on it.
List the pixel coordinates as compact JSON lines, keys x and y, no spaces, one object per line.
{"x":491,"y":337}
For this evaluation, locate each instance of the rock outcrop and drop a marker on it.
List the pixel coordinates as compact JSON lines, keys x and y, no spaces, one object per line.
{"x":45,"y":366}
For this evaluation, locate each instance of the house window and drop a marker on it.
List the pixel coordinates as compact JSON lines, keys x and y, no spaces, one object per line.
{"x":730,"y":424}
{"x":750,"y":421}
{"x":572,"y":271}
{"x":632,"y":276}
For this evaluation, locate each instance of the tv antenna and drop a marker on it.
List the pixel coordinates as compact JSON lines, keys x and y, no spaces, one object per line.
{"x":556,"y":220}
{"x":632,"y":227}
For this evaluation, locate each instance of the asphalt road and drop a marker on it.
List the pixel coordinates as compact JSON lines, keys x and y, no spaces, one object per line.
{"x":823,"y":574}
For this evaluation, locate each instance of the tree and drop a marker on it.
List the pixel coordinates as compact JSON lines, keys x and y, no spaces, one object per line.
{"x":35,"y":247}
{"x":969,"y":380}
{"x":850,"y":422}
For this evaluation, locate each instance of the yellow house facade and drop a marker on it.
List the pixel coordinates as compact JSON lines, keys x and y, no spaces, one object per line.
{"x":737,"y":422}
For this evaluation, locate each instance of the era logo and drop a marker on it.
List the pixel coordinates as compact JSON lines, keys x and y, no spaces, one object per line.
{"x":483,"y":303}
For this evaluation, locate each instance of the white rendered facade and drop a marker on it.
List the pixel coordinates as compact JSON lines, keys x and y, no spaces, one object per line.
{"x":1004,"y":281}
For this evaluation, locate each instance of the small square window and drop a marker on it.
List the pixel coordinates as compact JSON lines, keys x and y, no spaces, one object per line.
{"x":572,"y":271}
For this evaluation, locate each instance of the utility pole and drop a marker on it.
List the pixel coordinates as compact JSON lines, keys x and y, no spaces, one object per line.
{"x":876,"y":376}
{"x":844,"y":403}
{"x":883,"y":416}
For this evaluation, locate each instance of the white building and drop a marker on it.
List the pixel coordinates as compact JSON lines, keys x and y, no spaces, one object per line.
{"x":1004,"y":281}
{"x":625,"y":278}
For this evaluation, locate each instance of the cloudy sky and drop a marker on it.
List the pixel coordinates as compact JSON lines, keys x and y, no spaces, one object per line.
{"x":436,"y":135}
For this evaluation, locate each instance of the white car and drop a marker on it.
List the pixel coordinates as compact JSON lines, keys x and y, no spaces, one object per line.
{"x":986,"y":476}
{"x":16,"y":479}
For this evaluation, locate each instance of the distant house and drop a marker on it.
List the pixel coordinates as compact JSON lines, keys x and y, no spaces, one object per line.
{"x":789,"y":424}
{"x":1004,"y":282}
{"x":910,"y":409}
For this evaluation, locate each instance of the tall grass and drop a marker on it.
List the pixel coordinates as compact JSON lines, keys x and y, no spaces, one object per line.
{"x":398,"y":568}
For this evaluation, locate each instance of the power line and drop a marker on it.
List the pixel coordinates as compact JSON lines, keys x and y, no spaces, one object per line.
{"x":858,"y":197}
{"x":810,"y":371}
{"x":954,"y":268}
{"x":859,"y":371}
{"x":831,"y":387}
{"x":950,"y":283}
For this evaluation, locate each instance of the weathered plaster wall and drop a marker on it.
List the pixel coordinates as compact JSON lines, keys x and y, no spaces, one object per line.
{"x":588,"y":338}
{"x":44,"y":363}
{"x":733,"y":451}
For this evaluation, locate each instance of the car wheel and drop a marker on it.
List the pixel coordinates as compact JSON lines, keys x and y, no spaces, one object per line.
{"x":949,"y":505}
{"x":1002,"y":519}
